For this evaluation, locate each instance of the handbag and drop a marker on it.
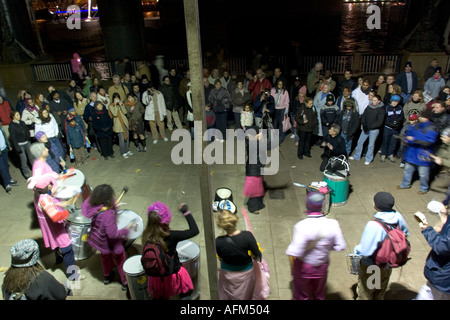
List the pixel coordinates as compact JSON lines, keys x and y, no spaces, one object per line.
{"x":262,"y":285}
{"x":338,"y":166}
{"x":286,"y":123}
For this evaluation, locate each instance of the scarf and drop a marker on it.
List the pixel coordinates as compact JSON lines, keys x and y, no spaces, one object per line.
{"x":30,"y":107}
{"x":124,"y":128}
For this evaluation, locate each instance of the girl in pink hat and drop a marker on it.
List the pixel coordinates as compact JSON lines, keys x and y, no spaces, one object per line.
{"x":158,"y":232}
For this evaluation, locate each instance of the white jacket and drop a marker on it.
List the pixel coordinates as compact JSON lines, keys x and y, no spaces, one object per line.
{"x":50,"y":129}
{"x":147,"y":100}
{"x":361,"y":99}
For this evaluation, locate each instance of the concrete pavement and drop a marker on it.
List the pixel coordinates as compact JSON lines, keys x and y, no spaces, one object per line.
{"x":152,"y":176}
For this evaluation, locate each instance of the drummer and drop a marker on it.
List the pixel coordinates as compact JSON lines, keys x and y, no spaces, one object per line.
{"x":51,"y":214}
{"x":101,"y":207}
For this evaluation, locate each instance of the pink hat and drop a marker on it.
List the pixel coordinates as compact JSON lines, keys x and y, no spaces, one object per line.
{"x":162,"y":210}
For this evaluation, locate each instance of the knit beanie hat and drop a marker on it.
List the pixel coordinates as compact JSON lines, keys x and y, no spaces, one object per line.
{"x":314,"y":202}
{"x":37,"y":148}
{"x":25,"y":253}
{"x":384,"y":201}
{"x":39,"y":135}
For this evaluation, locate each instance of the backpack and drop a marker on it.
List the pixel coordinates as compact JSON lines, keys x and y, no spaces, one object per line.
{"x":394,"y":249}
{"x":158,"y":263}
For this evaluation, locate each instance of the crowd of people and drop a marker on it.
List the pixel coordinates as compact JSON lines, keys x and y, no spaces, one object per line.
{"x":393,"y":114}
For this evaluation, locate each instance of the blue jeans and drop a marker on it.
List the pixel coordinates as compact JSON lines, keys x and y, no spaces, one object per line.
{"x":389,"y":142}
{"x":408,"y":173}
{"x":372,"y":135}
{"x":4,"y":167}
{"x":348,"y":143}
{"x":124,"y":145}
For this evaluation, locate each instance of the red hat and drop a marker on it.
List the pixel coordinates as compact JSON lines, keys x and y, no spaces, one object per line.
{"x":413,"y":116}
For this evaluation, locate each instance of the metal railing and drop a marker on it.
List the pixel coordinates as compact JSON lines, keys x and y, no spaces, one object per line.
{"x":365,"y":64}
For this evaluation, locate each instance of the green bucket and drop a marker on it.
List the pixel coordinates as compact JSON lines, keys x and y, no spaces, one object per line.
{"x":338,"y":186}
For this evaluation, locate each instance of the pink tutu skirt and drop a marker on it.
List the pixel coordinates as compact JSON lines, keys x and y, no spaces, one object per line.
{"x":175,"y":284}
{"x":253,"y":187}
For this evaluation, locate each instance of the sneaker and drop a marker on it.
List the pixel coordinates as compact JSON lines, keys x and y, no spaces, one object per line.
{"x":155,"y":141}
{"x":292,"y":136}
{"x":112,"y":156}
{"x":401,"y":188}
{"x":392,"y":158}
{"x":124,"y":287}
{"x":125,"y":155}
{"x":351,"y":158}
{"x":8,"y":188}
{"x":108,"y":279}
{"x":383,"y":159}
{"x":422,"y":192}
{"x":13,"y":182}
{"x":144,"y":149}
{"x":166,"y":139}
{"x":129,"y":153}
{"x":139,"y":149}
{"x":367,"y":163}
{"x":402,"y":165}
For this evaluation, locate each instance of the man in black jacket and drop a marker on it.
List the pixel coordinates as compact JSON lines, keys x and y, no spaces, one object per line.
{"x":334,"y":145}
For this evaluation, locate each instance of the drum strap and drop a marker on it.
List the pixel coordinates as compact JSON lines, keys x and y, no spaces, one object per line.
{"x":98,"y":214}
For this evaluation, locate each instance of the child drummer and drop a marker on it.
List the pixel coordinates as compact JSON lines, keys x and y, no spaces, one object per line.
{"x":101,"y":207}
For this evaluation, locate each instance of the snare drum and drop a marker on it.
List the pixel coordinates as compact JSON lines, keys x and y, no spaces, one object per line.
{"x":124,"y":218}
{"x":72,"y":185}
{"x":353,"y":263}
{"x":223,"y":194}
{"x":136,"y":278}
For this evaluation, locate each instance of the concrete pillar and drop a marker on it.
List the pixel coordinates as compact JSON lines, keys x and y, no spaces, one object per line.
{"x":191,"y":14}
{"x":122,"y":24}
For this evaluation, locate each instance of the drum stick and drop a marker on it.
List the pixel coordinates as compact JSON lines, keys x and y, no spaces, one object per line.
{"x":124,"y":190}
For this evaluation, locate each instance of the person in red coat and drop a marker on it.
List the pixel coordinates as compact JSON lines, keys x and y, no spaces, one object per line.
{"x":5,"y":115}
{"x":259,"y":83}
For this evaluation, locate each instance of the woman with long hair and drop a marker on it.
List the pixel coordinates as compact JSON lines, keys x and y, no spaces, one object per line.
{"x":48,"y":125}
{"x":30,"y":115}
{"x":118,"y":113}
{"x":105,"y":237}
{"x":158,"y":232}
{"x":415,"y":104}
{"x":26,"y":279}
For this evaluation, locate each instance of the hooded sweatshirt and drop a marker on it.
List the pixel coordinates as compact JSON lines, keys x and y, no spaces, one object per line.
{"x":374,"y":234}
{"x":104,"y":235}
{"x":373,"y":117}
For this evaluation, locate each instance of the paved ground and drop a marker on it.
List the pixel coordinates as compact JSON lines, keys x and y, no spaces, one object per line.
{"x":152,"y":176}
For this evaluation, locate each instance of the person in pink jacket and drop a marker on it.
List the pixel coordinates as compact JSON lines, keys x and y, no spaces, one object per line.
{"x":281,"y":98}
{"x":51,"y":215}
{"x":104,"y":236}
